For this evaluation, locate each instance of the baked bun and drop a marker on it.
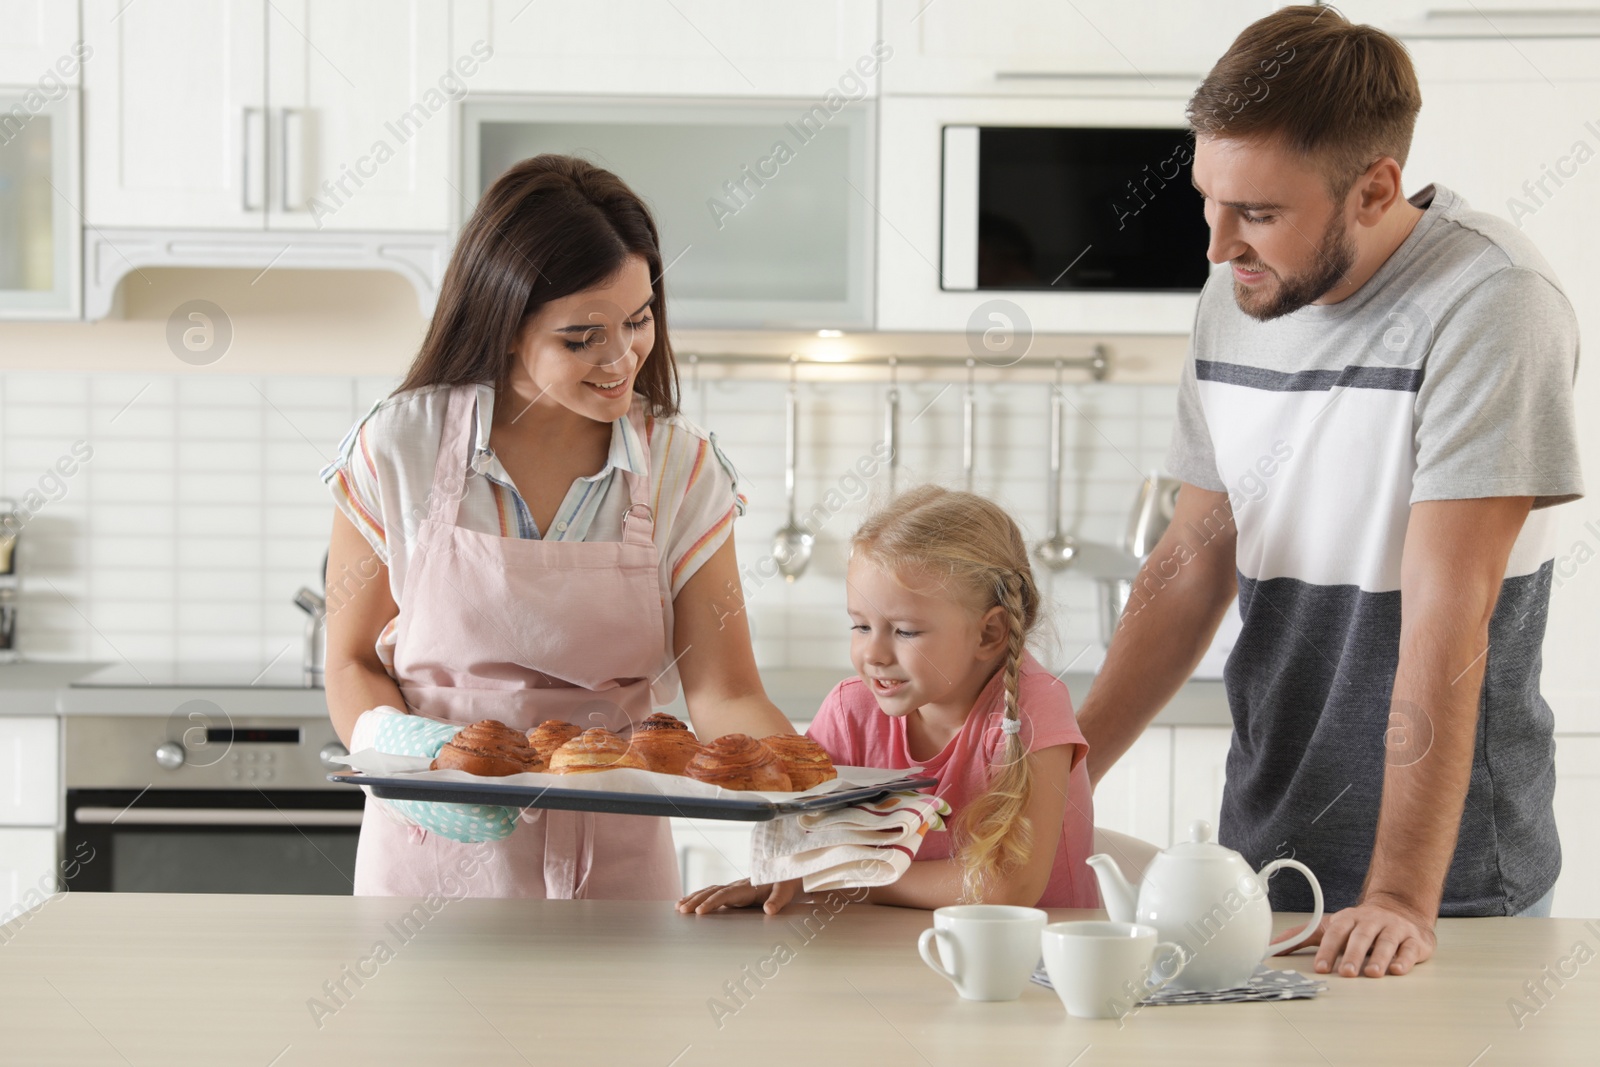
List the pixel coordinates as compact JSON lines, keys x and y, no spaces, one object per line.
{"x":551,"y":735}
{"x":664,"y":743}
{"x":803,"y":758}
{"x":660,"y":720}
{"x":597,"y":749}
{"x":739,"y":761}
{"x":489,"y":748}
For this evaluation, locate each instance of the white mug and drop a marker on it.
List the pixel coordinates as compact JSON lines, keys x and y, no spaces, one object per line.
{"x":987,"y":951}
{"x":1102,"y":970}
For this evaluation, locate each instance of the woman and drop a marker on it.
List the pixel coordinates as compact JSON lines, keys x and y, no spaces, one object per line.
{"x":537,"y":534}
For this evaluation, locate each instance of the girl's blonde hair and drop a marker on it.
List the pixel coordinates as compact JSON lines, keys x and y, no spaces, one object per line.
{"x":973,"y":546}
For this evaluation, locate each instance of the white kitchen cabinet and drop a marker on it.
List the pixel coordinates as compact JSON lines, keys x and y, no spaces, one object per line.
{"x":174,"y":105}
{"x":27,"y":873}
{"x":1135,"y":796}
{"x":688,"y":47}
{"x":30,"y":771}
{"x":750,"y":245}
{"x":1526,"y":102}
{"x":711,"y":851}
{"x":286,"y":115}
{"x":36,"y":36}
{"x":1427,"y":19}
{"x":1514,"y":127}
{"x":1044,"y":47}
{"x":361,"y":97}
{"x":1199,"y":771}
{"x":40,"y":230}
{"x":1577,"y":799}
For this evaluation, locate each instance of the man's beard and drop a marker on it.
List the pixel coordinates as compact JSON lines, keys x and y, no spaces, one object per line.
{"x":1335,"y":256}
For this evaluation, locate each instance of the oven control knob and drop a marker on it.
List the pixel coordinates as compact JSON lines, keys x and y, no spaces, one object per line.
{"x":170,"y":755}
{"x":330,"y":751}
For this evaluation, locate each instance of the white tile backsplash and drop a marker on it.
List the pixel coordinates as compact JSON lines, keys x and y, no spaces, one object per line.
{"x":218,"y":390}
{"x":201,"y":513}
{"x":127,"y":456}
{"x":53,"y":422}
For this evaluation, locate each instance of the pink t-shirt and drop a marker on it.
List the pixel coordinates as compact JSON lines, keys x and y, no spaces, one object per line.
{"x":856,"y":733}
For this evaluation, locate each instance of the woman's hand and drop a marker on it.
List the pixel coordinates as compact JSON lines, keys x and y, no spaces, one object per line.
{"x":393,"y":731}
{"x":740,"y":894}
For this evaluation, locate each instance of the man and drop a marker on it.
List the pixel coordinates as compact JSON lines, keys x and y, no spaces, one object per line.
{"x":1386,"y":386}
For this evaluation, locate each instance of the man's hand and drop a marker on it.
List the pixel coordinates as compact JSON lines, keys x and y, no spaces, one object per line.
{"x":740,"y":894}
{"x":1379,"y":936}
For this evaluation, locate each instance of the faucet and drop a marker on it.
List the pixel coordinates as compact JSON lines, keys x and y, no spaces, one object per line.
{"x":316,"y":608}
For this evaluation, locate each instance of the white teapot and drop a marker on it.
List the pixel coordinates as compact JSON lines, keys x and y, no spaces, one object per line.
{"x":1207,"y":899}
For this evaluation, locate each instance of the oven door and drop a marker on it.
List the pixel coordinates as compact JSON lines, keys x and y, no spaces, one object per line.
{"x":211,"y":841}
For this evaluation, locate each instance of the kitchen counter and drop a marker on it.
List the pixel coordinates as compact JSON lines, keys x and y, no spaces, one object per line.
{"x":54,"y":688}
{"x":143,"y":979}
{"x":47,"y":689}
{"x":31,"y":688}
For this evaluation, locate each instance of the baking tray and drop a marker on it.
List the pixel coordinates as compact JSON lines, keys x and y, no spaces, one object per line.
{"x":660,"y":804}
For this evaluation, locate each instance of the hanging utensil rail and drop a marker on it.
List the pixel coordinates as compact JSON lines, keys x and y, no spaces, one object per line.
{"x":1098,"y":363}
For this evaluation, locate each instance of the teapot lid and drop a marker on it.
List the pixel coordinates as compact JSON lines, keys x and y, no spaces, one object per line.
{"x":1202,"y":844}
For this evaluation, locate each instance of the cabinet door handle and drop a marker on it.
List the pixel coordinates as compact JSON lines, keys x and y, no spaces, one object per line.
{"x":1187,"y":77}
{"x":90,"y":815}
{"x":1469,"y":23}
{"x":291,"y":177}
{"x":251,"y":175}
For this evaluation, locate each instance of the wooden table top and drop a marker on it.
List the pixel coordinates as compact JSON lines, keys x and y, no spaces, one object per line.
{"x":135,"y":979}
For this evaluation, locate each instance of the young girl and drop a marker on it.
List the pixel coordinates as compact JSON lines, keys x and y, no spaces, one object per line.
{"x":941,"y":601}
{"x":528,"y":530}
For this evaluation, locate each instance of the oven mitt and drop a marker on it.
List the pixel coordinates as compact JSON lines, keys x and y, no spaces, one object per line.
{"x":389,"y":730}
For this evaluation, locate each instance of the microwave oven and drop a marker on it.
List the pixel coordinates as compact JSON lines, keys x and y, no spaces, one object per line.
{"x":1064,"y":209}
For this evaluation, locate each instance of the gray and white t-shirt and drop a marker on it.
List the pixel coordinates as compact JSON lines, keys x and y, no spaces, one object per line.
{"x":1448,"y":375}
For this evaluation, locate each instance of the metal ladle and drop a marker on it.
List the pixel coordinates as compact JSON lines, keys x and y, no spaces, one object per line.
{"x":1057,"y":550}
{"x":791,"y":547}
{"x":891,"y":424}
{"x":697,"y":387}
{"x":969,"y":422}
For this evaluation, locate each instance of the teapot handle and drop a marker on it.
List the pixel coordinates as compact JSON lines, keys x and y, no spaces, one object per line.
{"x":1316,"y":895}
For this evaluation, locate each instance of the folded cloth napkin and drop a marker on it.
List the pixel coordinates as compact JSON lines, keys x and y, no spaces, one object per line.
{"x":862,"y":845}
{"x":391,"y":730}
{"x":1264,"y":984}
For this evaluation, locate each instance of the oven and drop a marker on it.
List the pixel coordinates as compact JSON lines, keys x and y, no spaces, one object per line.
{"x":201,"y":801}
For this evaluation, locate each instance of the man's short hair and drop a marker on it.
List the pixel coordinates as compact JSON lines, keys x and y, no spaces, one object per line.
{"x":1343,"y":95}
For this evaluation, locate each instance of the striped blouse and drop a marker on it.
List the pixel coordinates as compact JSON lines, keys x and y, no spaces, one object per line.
{"x":383,"y":472}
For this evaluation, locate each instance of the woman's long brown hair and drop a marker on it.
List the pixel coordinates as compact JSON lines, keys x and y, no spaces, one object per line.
{"x":548,"y":227}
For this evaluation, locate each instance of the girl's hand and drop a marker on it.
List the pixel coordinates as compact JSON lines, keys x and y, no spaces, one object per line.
{"x":740,"y":894}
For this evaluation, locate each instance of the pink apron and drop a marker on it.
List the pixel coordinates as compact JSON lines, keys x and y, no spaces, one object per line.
{"x":523,"y":631}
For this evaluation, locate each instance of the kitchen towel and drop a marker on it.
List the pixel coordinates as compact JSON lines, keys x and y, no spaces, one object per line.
{"x":1265,"y":984}
{"x":863,"y":845}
